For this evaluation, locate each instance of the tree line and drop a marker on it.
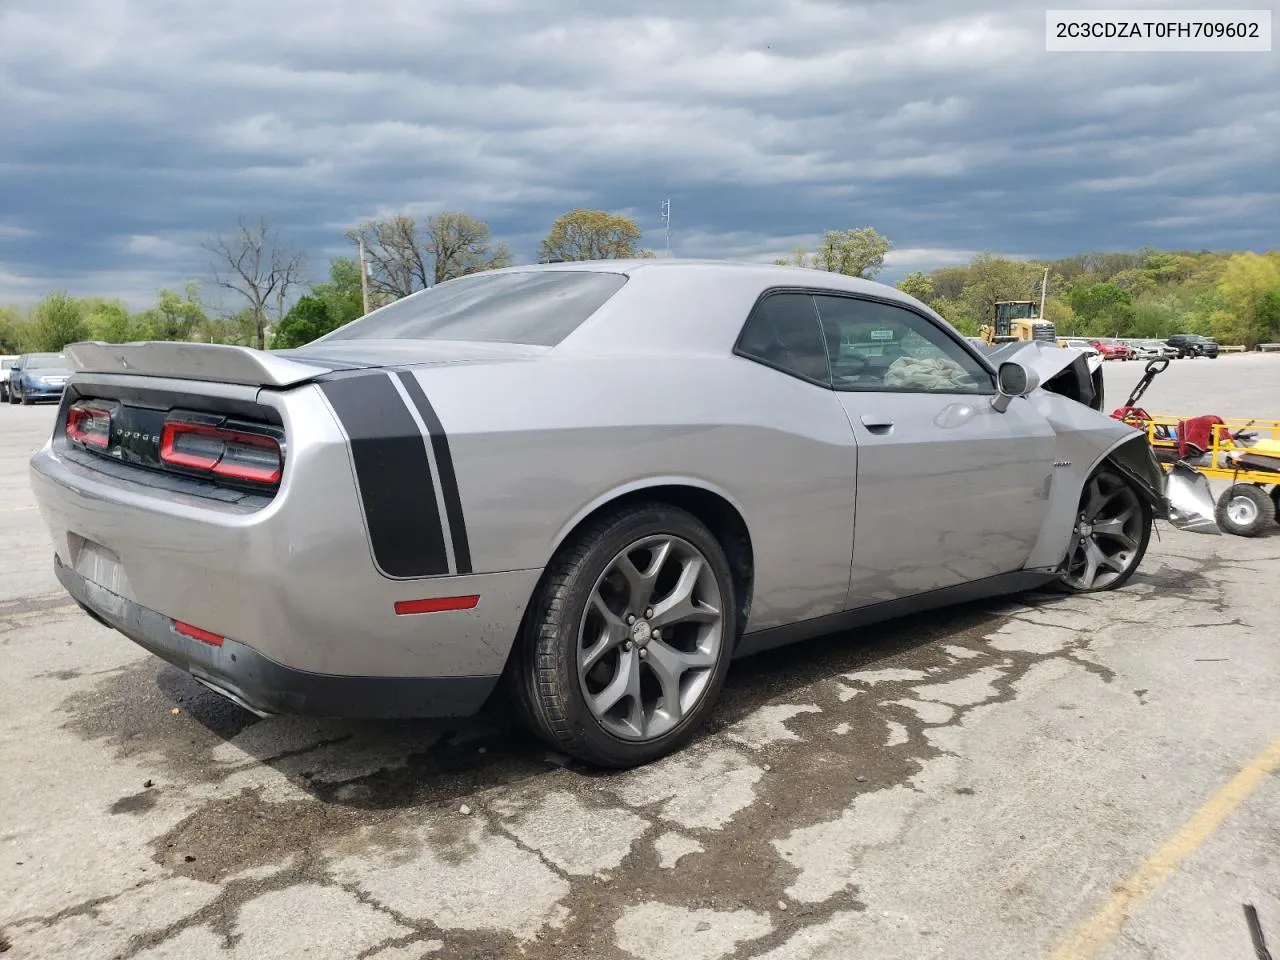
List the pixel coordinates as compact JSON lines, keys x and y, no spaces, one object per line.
{"x":1234,"y":297}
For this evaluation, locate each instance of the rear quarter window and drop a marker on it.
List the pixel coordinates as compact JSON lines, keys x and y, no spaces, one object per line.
{"x":535,"y":308}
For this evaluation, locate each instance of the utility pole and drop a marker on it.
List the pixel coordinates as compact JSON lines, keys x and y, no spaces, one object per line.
{"x":1044,"y":285}
{"x":666,"y":219}
{"x":364,"y":278}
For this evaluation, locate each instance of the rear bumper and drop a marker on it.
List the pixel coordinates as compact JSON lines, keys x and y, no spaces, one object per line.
{"x":292,"y":580}
{"x":266,"y":687}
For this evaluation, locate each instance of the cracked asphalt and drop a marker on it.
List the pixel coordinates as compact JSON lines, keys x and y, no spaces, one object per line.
{"x":1005,"y":779}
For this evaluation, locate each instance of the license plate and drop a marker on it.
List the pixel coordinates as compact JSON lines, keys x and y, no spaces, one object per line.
{"x":102,"y":567}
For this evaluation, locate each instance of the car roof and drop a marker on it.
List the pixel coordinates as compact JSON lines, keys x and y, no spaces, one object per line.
{"x":651,"y":312}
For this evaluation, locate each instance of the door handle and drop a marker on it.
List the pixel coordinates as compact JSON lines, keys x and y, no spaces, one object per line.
{"x":877,"y":423}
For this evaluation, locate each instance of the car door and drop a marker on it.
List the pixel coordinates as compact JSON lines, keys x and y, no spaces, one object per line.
{"x":802,"y":513}
{"x":949,"y":490}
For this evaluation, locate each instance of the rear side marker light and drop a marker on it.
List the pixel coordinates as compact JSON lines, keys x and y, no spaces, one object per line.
{"x":435,"y":604}
{"x":231,"y":454}
{"x":195,"y":633}
{"x":89,"y":425}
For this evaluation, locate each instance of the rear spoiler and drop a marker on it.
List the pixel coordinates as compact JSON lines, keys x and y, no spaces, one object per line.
{"x":215,"y":362}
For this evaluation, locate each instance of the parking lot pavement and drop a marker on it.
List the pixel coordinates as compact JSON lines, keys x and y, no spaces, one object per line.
{"x":1055,"y":777}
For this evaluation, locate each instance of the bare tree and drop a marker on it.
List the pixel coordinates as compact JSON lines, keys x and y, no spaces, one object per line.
{"x":405,"y":255}
{"x":460,"y":244}
{"x":256,"y":263}
{"x":397,"y":256}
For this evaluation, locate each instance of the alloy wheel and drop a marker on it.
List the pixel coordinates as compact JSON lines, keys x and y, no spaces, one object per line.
{"x":650,"y":637}
{"x":1107,"y":540}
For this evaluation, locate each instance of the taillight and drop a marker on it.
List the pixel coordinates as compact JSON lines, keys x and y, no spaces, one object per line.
{"x":222,"y":452}
{"x":89,"y":424}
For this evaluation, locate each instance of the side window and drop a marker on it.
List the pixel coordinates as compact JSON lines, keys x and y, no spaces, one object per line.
{"x":783,"y":332}
{"x":879,"y":347}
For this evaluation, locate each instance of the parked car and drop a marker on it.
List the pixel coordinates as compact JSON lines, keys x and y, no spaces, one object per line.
{"x":553,"y":477}
{"x":1193,"y":345}
{"x":1079,"y":343}
{"x":1151,"y":349}
{"x":38,"y":376}
{"x":7,"y":363}
{"x":1112,"y":349}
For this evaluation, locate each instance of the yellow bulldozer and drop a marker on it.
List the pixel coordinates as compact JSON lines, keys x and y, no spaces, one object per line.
{"x":1018,"y":320}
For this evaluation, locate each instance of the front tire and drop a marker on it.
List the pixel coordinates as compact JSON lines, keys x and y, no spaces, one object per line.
{"x":1245,"y":509}
{"x":629,"y":638}
{"x":1111,"y":534}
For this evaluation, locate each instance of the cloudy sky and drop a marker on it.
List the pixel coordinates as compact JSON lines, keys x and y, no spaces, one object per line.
{"x":131,"y":128}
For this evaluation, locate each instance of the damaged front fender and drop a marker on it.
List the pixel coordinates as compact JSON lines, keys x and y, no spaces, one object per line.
{"x":1180,"y":496}
{"x":1190,"y":500}
{"x":1133,"y":458}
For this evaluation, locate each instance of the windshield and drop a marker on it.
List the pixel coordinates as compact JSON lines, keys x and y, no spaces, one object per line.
{"x":47,"y":361}
{"x":536,"y":308}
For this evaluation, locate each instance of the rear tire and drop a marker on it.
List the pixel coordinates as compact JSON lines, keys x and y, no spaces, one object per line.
{"x":620,"y":692}
{"x":1245,"y":509}
{"x":1110,"y":538}
{"x":1275,"y":499}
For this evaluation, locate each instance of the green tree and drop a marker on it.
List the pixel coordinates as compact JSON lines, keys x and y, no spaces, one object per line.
{"x":1245,"y":286}
{"x":959,"y":314}
{"x":12,"y":331}
{"x":992,"y":279}
{"x":112,"y":323}
{"x":854,"y":253}
{"x":239,"y":329}
{"x":1269,"y":317}
{"x":1155,"y":318}
{"x":306,"y":320}
{"x":590,"y":235}
{"x":57,"y":320}
{"x":917,"y":285}
{"x":342,"y":294}
{"x":1105,"y":309}
{"x":175,"y":316}
{"x":949,"y":282}
{"x":1060,"y":314}
{"x":1163,"y":268}
{"x":1137,"y":282}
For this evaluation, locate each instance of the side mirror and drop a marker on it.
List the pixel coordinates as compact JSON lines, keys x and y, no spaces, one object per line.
{"x":1012,"y":380}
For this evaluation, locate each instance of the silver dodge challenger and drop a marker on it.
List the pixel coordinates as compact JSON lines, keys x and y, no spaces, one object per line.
{"x":591,"y":484}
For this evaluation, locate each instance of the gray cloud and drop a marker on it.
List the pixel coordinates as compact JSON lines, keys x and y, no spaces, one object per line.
{"x":132,"y":128}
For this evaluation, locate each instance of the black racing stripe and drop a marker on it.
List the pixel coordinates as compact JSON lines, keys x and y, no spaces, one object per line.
{"x":444,"y":464}
{"x":394,"y":475}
